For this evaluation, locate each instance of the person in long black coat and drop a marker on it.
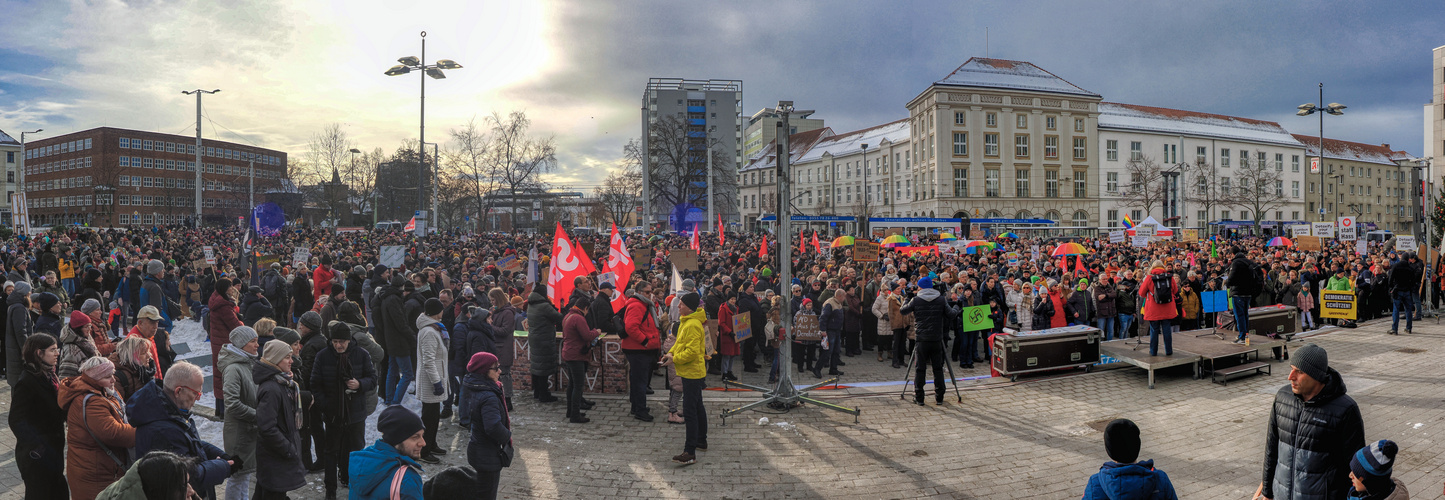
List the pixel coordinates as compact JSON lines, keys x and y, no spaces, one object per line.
{"x":38,"y":423}
{"x":278,"y":458}
{"x":490,"y":424}
{"x":18,"y":327}
{"x":342,"y":406}
{"x":543,"y":321}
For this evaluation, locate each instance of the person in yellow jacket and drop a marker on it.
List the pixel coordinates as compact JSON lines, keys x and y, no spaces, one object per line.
{"x":67,"y":275}
{"x":689,"y":357}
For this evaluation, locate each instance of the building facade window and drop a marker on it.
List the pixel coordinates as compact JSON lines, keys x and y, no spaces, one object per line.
{"x":990,"y":183}
{"x":1136,"y":151}
{"x":1294,"y":163}
{"x":1080,"y":151}
{"x":1021,"y":183}
{"x":1051,"y":123}
{"x":990,"y":144}
{"x":1111,"y":150}
{"x":1081,"y":184}
{"x":1113,"y":216}
{"x":1078,"y":124}
{"x":1021,"y":146}
{"x":1051,"y":146}
{"x":960,"y":143}
{"x":1051,"y":183}
{"x":960,"y":182}
{"x":990,"y":119}
{"x":1111,"y":182}
{"x":1021,"y":121}
{"x":960,"y":118}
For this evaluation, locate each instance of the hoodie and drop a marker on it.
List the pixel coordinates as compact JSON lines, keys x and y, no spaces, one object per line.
{"x":1136,"y":481}
{"x":373,"y":469}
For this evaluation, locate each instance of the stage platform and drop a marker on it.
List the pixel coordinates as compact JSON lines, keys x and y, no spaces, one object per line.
{"x":1200,"y":348}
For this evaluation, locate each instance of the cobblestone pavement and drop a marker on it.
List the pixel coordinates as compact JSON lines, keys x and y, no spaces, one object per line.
{"x":1038,"y":438}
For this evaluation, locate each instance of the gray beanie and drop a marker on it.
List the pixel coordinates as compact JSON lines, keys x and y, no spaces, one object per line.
{"x":1313,"y":361}
{"x":311,"y":320}
{"x":155,"y":267}
{"x":22,"y":287}
{"x":242,"y":335}
{"x":90,"y":306}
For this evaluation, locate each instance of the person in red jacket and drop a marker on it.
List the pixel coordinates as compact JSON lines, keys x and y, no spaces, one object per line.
{"x":321,"y":278}
{"x":223,"y":318}
{"x":727,"y":343}
{"x":638,"y":345}
{"x":1158,"y":310}
{"x":576,"y":335}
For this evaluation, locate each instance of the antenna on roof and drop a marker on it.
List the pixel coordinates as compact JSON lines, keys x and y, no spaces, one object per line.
{"x":985,"y":42}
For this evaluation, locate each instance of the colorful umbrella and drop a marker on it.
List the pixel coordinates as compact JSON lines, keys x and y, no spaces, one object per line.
{"x":1069,"y":249}
{"x":843,"y":241}
{"x":947,"y":237}
{"x":1009,"y":235}
{"x":896,"y":240}
{"x":1279,"y":241}
{"x":980,"y":243}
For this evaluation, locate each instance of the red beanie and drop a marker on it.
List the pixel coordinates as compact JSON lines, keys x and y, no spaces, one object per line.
{"x":78,"y":319}
{"x":481,"y":362}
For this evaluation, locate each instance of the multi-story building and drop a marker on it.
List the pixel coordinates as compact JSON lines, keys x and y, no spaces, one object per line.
{"x":111,"y":177}
{"x":1435,"y":115}
{"x":1003,"y":138}
{"x":1366,"y":181}
{"x":762,"y":129}
{"x":856,"y":174}
{"x":9,"y":153}
{"x":758,"y":180}
{"x":711,"y":112}
{"x":1197,"y":163}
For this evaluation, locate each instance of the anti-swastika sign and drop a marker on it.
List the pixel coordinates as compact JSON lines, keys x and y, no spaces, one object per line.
{"x":976,"y":318}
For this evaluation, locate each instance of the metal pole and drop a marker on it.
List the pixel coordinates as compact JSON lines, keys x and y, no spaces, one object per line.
{"x":199,"y":165}
{"x":710,"y":211}
{"x":251,"y":165}
{"x":421,"y":141}
{"x":867,"y":192}
{"x":20,"y":186}
{"x":1321,"y":151}
{"x":435,"y":183}
{"x":785,"y":243}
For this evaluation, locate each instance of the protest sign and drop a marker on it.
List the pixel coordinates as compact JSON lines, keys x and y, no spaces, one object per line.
{"x":1339,"y":304}
{"x":976,"y":318}
{"x":392,"y":256}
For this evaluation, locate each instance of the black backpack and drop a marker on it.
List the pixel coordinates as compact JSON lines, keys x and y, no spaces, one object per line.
{"x":1163,"y":288}
{"x":619,"y":322}
{"x":1256,"y":274}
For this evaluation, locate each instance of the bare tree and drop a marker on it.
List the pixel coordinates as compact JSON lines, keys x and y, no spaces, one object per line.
{"x":469,"y":161}
{"x":1201,"y":188}
{"x":105,"y":182}
{"x":1146,"y":185}
{"x":517,"y":160}
{"x":1260,"y":190}
{"x":620,"y":194}
{"x":678,"y":153}
{"x":455,"y":201}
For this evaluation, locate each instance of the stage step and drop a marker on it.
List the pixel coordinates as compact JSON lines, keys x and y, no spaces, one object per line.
{"x":1224,"y":375}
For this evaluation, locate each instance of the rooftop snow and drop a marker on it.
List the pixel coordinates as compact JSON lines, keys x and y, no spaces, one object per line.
{"x":1192,"y":123}
{"x":798,"y":144}
{"x":5,"y":139}
{"x":851,"y":142}
{"x":1004,"y":74}
{"x":1352,"y":151}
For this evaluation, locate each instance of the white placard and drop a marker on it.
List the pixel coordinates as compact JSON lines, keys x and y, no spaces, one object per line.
{"x":210,"y":254}
{"x":1322,"y":229}
{"x":1035,"y":250}
{"x":392,"y":256}
{"x":1347,"y":229}
{"x":300,"y":257}
{"x":1405,"y":244}
{"x":1118,"y":236}
{"x":1298,"y":230}
{"x":1139,"y":241}
{"x":1147,"y":231}
{"x":1360,"y":248}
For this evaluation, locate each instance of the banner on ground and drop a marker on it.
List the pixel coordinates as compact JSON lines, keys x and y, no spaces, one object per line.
{"x":1322,"y":229}
{"x":1308,"y":243}
{"x":1406,"y":244}
{"x":976,"y":318}
{"x":1339,"y":304}
{"x":865,"y":251}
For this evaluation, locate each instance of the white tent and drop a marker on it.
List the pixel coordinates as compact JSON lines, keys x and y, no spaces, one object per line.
{"x":1160,"y":230}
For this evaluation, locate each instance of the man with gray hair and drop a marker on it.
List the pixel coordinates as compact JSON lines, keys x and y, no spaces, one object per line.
{"x":161,"y":414}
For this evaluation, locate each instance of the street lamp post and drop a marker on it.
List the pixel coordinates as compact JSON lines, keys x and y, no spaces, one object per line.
{"x":1334,"y":109}
{"x":20,"y":184}
{"x":199,"y":150}
{"x":867,"y":192}
{"x":408,"y":64}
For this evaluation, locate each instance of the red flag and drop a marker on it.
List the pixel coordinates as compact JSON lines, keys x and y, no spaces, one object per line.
{"x":763,"y":249}
{"x":1079,"y":263}
{"x":566,"y":266}
{"x":696,"y":243}
{"x":817,"y":247}
{"x":802,"y":241}
{"x":410,"y":226}
{"x":587,"y":266}
{"x":619,"y":264}
{"x":721,"y":236}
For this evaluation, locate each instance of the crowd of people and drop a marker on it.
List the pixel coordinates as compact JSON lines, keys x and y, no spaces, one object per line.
{"x":304,"y":351}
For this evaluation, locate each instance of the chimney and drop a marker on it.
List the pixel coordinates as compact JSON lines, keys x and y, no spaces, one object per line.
{"x":1386,"y":146}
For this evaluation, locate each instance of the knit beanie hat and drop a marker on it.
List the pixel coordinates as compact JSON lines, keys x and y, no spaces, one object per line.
{"x":397,"y":424}
{"x":1376,"y":460}
{"x":22,"y":287}
{"x":1121,"y":441}
{"x":350,"y":313}
{"x":275,"y":352}
{"x":925,"y":282}
{"x":691,"y":300}
{"x":311,"y":320}
{"x":47,"y":300}
{"x":78,"y":320}
{"x":1313,"y":361}
{"x":433,"y":307}
{"x":155,"y":267}
{"x":339,"y":331}
{"x":286,"y":335}
{"x":481,"y":362}
{"x":97,"y":368}
{"x":90,"y":306}
{"x":454,"y":482}
{"x":242,"y":335}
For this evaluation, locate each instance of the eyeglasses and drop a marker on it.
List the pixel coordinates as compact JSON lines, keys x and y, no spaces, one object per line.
{"x":198,"y":393}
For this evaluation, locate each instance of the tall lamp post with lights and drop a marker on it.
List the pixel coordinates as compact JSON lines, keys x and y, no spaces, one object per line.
{"x":199,"y":150}
{"x":22,"y":211}
{"x":413,"y":63}
{"x":1307,"y":109}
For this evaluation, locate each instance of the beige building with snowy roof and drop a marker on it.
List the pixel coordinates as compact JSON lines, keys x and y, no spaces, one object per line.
{"x":1366,"y":181}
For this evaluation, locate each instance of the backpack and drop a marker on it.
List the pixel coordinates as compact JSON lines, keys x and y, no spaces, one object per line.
{"x":1256,"y":273}
{"x":272,"y":286}
{"x":619,"y":322}
{"x":1163,"y":288}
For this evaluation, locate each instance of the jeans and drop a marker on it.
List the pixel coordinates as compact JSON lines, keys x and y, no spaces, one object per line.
{"x":831,"y":354}
{"x":69,"y":285}
{"x":341,"y":440}
{"x":695,"y":415}
{"x":399,"y":375}
{"x":1106,"y":325}
{"x":238,"y":486}
{"x":639,"y":370}
{"x":1402,"y":299}
{"x":576,"y":382}
{"x":968,"y":342}
{"x":1157,"y":329}
{"x":1125,"y":320}
{"x":929,"y":353}
{"x":1241,"y":315}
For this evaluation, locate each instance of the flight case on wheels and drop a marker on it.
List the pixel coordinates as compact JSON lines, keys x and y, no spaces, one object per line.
{"x":1042,"y":350}
{"x":1280,"y":320}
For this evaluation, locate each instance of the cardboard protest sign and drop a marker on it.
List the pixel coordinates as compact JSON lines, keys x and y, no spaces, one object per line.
{"x":685,"y":259}
{"x":805,"y":327}
{"x":742,"y":326}
{"x":865,"y":251}
{"x":1308,"y":243}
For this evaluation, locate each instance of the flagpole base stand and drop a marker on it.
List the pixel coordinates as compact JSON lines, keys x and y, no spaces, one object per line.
{"x":784,"y":397}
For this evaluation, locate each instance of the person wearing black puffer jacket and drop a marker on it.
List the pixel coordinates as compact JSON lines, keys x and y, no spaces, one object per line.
{"x":1404,"y":281}
{"x":1314,"y":430}
{"x":931,"y":313}
{"x":1243,"y":286}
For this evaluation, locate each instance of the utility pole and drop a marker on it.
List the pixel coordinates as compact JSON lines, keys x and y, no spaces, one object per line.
{"x":251,"y":166}
{"x":709,"y":179}
{"x":200,"y":166}
{"x":867,"y":193}
{"x":23,"y":210}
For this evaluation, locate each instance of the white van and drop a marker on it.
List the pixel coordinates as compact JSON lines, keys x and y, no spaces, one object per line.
{"x":1379,"y":236}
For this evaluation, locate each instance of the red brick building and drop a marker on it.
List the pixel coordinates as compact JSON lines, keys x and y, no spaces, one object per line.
{"x":112,"y":177}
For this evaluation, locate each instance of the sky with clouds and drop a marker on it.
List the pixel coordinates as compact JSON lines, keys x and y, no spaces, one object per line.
{"x":577,"y":67}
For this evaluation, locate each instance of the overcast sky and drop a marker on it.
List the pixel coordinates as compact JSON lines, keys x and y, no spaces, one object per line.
{"x":288,"y":68}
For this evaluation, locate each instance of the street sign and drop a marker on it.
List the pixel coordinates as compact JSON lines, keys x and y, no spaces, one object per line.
{"x":1347,"y":229}
{"x":1323,"y":229}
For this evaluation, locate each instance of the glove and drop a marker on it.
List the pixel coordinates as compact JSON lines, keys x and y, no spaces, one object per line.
{"x":235,"y":464}
{"x":438,"y":389}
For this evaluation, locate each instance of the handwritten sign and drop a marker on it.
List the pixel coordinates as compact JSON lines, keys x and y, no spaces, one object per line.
{"x":392,"y":256}
{"x":300,"y":256}
{"x":1323,"y":229}
{"x":742,"y":326}
{"x":1298,"y":230}
{"x":865,"y":251}
{"x":1118,"y":236}
{"x":685,"y":259}
{"x":210,"y":254}
{"x":1308,"y":243}
{"x":1146,"y":230}
{"x":1406,"y":244}
{"x":805,"y":327}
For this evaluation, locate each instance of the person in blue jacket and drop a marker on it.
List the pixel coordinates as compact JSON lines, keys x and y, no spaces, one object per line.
{"x":161,"y":411}
{"x":1126,"y":477}
{"x":376,"y":469}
